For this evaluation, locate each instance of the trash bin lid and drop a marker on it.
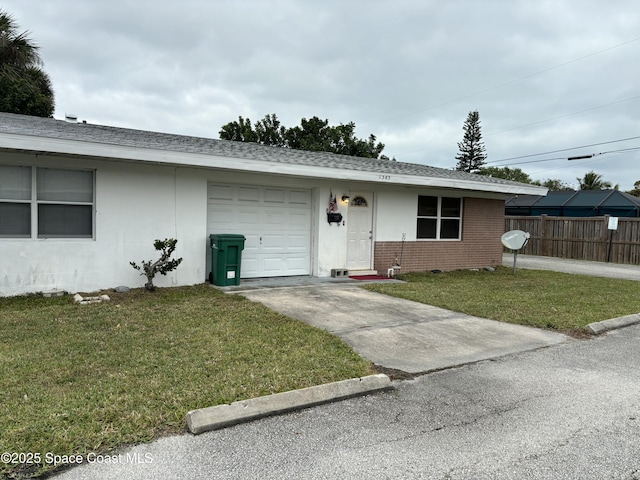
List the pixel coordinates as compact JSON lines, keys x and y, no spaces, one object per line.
{"x":227,"y":236}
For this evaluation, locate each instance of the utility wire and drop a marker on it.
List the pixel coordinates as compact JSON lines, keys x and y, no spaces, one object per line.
{"x":564,"y":150}
{"x":565,"y":158}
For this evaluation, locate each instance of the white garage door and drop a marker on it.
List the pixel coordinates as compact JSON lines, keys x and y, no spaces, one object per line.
{"x":275,"y":221}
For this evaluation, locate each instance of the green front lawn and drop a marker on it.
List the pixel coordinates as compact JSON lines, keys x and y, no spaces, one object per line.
{"x":537,"y":298}
{"x":77,"y":379}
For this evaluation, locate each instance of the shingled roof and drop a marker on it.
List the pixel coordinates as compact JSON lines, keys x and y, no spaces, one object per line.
{"x":62,"y":132}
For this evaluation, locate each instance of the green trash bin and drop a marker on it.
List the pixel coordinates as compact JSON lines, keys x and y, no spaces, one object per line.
{"x":226,"y":258}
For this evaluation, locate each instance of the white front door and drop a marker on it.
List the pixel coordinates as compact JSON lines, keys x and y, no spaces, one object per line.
{"x":360,"y":231}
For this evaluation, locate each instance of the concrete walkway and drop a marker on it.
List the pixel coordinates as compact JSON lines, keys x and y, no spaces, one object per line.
{"x":401,"y":334}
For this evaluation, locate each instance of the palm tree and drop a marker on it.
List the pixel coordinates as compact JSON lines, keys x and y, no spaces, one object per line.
{"x":593,"y":181}
{"x":24,"y":87}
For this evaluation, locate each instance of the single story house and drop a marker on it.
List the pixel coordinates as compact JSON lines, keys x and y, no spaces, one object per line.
{"x":570,"y":203}
{"x":78,"y":202}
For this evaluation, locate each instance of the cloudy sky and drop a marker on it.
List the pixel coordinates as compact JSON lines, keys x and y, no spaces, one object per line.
{"x":545,"y":75}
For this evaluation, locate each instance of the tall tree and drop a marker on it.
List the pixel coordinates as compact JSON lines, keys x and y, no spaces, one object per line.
{"x":593,"y":181}
{"x":471,"y":156}
{"x":312,"y":134}
{"x":24,"y":87}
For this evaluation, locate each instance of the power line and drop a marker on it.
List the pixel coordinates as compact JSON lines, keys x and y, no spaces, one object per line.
{"x":565,"y":158}
{"x":564,"y":150}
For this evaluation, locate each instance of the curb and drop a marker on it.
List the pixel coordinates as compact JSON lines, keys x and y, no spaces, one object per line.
{"x":613,"y":323}
{"x":220,"y":416}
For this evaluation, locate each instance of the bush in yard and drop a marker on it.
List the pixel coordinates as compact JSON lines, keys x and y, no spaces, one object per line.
{"x":163,"y":265}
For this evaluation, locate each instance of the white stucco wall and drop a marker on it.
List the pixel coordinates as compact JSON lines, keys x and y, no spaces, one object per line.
{"x":137,"y":203}
{"x":134,"y":205}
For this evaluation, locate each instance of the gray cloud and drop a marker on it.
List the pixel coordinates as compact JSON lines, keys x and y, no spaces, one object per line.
{"x":544,"y":75}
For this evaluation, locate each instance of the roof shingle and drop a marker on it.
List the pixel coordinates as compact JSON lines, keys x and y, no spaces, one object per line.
{"x":100,"y":134}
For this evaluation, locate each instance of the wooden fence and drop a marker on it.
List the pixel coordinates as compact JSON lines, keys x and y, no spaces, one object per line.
{"x":580,"y":238}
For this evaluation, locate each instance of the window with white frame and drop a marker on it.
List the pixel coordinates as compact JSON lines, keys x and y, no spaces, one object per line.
{"x":46,"y":202}
{"x":439,"y":218}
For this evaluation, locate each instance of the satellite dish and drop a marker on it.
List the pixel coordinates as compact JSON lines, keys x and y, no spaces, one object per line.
{"x":515,"y":240}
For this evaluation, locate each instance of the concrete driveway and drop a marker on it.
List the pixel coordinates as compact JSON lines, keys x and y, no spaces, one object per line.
{"x":400,"y":334}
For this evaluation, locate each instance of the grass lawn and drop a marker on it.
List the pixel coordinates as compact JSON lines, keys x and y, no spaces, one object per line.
{"x":552,"y":300}
{"x":77,"y":379}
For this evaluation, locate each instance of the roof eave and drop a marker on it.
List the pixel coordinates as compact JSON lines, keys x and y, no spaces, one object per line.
{"x":47,"y":145}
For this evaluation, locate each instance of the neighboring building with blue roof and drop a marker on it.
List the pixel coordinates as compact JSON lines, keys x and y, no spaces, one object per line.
{"x":581,"y":203}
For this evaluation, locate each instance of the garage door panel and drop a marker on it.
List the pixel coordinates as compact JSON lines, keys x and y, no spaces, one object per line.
{"x":249,"y":264}
{"x":295,"y":222}
{"x":300,"y":197}
{"x":273,"y":267}
{"x":274,"y":196}
{"x":298,"y":264}
{"x":249,"y":194}
{"x":221,"y":192}
{"x":273,"y":243}
{"x":248,"y":216}
{"x":297,"y":242}
{"x":223,"y":218}
{"x":252,"y":241}
{"x":275,"y":221}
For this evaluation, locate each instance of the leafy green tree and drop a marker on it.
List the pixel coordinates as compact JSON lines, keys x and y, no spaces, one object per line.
{"x":270,"y":132}
{"x":636,"y":189}
{"x":506,"y":173}
{"x":24,"y":87}
{"x":240,"y":131}
{"x":593,"y":181}
{"x":471,"y":156}
{"x":312,"y":134}
{"x":554,"y":185}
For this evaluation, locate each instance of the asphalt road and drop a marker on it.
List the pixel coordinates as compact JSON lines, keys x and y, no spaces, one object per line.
{"x":569,"y":411}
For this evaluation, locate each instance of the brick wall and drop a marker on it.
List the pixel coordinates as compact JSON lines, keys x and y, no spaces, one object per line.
{"x":482,"y":227}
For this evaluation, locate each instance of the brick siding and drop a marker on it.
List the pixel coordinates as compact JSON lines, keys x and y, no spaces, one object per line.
{"x":482,"y":227}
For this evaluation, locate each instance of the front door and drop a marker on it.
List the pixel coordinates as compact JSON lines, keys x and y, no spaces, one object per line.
{"x":360,"y":231}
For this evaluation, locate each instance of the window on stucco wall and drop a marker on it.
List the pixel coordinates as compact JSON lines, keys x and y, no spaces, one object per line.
{"x":439,"y":218}
{"x":60,"y":201}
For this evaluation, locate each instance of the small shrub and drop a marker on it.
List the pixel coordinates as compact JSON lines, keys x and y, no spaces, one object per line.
{"x":163,"y":265}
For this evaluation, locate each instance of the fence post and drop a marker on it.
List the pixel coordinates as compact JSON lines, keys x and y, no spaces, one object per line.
{"x":608,"y":236}
{"x":544,"y":236}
